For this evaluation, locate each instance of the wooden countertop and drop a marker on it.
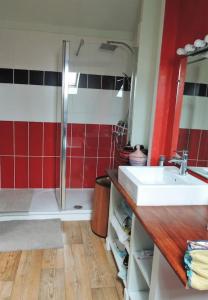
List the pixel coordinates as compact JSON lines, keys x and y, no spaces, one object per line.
{"x":169,"y":226}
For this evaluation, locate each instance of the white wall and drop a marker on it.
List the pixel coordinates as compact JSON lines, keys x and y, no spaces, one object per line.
{"x":43,"y":51}
{"x":197,"y":72}
{"x":149,"y":42}
{"x":195,"y":108}
{"x":194,"y":113}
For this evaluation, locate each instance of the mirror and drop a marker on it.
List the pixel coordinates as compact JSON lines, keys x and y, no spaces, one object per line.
{"x":193,"y":129}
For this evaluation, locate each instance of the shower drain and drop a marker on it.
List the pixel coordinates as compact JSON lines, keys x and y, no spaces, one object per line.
{"x":78,"y":206}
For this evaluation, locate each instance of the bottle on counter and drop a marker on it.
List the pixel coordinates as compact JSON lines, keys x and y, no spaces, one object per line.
{"x":161,"y":160}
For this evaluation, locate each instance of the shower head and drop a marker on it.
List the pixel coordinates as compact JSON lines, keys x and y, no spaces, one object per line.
{"x":108,"y":47}
{"x":118,"y":43}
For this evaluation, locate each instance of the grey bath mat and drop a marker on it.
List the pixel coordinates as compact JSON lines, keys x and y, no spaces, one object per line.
{"x":15,"y":200}
{"x":30,"y":235}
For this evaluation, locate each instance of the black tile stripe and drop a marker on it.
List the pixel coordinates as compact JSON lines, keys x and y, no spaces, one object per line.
{"x":6,"y":75}
{"x":36,"y":77}
{"x":52,"y":78}
{"x":108,"y":82}
{"x":20,"y":76}
{"x":94,"y":81}
{"x":127,"y":84}
{"x":83,"y":81}
{"x":195,"y":89}
{"x":119,"y":82}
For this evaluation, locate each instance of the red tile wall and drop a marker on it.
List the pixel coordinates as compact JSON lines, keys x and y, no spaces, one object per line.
{"x":30,"y":154}
{"x":196,"y":141}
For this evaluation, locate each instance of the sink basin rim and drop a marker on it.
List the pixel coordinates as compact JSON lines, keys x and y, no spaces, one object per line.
{"x":170,"y":171}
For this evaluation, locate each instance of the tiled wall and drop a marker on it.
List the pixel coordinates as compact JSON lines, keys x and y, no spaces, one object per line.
{"x":30,"y":154}
{"x":196,"y":141}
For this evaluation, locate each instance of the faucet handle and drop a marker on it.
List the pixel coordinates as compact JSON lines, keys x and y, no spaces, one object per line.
{"x":184,"y":154}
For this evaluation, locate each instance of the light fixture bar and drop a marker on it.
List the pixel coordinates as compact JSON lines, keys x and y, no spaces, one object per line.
{"x":198,"y":47}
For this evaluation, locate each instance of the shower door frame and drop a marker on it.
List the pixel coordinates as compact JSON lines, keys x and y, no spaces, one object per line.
{"x":64,"y":119}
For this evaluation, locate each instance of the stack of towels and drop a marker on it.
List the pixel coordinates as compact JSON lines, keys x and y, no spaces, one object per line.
{"x":196,"y":264}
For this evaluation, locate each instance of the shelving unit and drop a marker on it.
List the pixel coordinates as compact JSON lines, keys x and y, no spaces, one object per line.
{"x":145,"y":265}
{"x":138,"y":274}
{"x":147,"y":277}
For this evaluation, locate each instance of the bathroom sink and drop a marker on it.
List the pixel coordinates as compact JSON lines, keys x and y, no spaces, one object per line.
{"x":162,"y":186}
{"x":203,"y":171}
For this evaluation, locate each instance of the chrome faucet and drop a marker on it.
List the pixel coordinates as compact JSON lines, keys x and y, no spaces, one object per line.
{"x":182,"y":161}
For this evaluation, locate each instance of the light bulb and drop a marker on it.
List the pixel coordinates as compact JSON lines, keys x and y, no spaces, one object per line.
{"x":199,"y":43}
{"x":181,"y":51}
{"x":189,"y":48}
{"x":206,"y":38}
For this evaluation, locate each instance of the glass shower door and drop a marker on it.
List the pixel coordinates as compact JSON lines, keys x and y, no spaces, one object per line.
{"x":62,"y":141}
{"x":95,"y":96}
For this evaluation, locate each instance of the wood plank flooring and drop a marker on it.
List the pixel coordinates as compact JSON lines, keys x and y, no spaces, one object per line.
{"x":82,"y":270}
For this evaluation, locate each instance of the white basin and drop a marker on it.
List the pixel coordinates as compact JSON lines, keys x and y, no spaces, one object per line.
{"x":203,"y":171}
{"x":155,"y":186}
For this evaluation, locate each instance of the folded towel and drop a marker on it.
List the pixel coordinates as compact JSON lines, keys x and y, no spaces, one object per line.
{"x":196,"y":264}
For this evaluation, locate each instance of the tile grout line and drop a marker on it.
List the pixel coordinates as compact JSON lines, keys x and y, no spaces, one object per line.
{"x":14,"y":153}
{"x":28,"y":160}
{"x":43,"y":133}
{"x":83,"y":171}
{"x":98,"y":143}
{"x":87,"y":81}
{"x":70,"y":156}
{"x":0,"y":172}
{"x":113,"y":153}
{"x":111,"y":149}
{"x":200,"y":138}
{"x":53,"y":156}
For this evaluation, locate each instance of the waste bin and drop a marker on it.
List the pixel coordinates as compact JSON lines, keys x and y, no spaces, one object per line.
{"x":99,"y":223}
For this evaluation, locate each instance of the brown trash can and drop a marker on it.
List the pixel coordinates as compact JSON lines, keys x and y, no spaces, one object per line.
{"x":99,"y":223}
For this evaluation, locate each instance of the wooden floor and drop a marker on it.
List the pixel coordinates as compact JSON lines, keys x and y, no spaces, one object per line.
{"x":82,"y":270}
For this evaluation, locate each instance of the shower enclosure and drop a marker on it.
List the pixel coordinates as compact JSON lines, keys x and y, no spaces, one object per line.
{"x":87,"y":73}
{"x":50,"y":163}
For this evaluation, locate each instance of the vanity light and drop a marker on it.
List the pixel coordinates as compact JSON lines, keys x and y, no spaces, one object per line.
{"x":206,"y":38}
{"x":181,"y":51}
{"x":189,"y":48}
{"x":199,"y":43}
{"x":198,"y":47}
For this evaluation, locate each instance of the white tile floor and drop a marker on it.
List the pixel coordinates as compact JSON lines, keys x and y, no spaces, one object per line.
{"x":43,"y":200}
